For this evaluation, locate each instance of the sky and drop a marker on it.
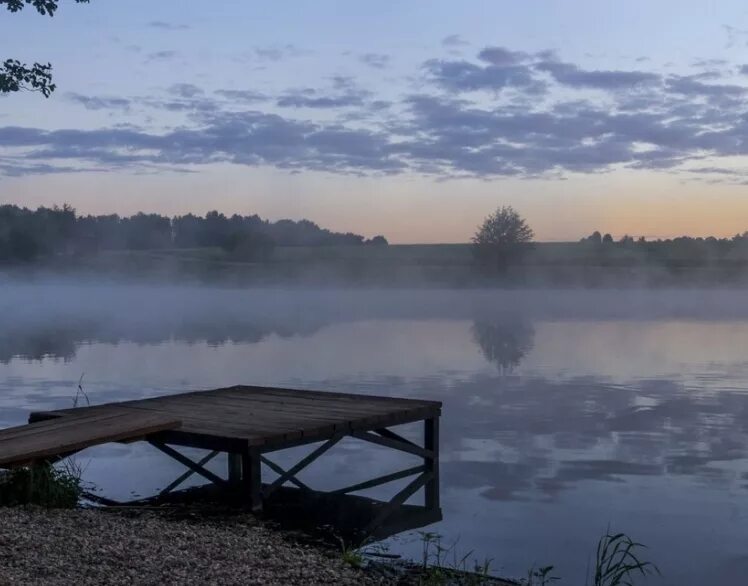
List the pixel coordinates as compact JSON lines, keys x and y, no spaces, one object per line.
{"x":413,"y":119}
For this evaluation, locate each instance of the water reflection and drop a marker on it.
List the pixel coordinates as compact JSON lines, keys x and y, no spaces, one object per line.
{"x":504,"y":343}
{"x":558,"y":417}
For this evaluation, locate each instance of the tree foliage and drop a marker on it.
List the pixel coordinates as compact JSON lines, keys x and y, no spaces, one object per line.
{"x":502,"y":237}
{"x":16,"y":76}
{"x":27,"y":234}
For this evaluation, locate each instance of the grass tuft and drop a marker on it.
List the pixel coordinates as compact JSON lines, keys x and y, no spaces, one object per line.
{"x":617,"y":561}
{"x":42,"y":485}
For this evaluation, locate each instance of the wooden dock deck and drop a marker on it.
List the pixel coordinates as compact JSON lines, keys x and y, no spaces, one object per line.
{"x":25,"y":444}
{"x":248,"y":423}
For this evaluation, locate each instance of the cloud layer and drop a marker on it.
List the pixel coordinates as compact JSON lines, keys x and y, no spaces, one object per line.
{"x":502,"y":113}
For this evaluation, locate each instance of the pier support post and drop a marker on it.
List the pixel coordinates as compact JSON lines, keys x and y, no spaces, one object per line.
{"x":431,"y":464}
{"x":235,"y":469}
{"x":252,"y":478}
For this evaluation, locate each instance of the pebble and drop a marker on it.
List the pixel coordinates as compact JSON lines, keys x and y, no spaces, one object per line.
{"x":90,"y":546}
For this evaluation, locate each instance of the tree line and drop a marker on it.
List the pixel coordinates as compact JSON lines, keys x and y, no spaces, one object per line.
{"x":504,"y":239}
{"x":28,"y":234}
{"x":684,"y":248}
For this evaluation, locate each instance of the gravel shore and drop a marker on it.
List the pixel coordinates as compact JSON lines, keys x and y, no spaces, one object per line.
{"x":101,"y":547}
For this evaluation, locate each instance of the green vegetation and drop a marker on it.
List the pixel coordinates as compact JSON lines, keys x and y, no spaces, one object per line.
{"x":27,"y":235}
{"x":250,"y":250}
{"x":16,"y":76}
{"x":502,"y":239}
{"x":617,"y":563}
{"x":42,"y":485}
{"x":542,"y":576}
{"x":443,"y":565}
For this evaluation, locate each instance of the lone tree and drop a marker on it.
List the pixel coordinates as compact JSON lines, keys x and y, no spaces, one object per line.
{"x":14,"y":75}
{"x":502,"y":238}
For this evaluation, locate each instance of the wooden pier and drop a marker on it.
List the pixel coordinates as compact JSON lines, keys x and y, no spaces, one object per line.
{"x":248,"y":423}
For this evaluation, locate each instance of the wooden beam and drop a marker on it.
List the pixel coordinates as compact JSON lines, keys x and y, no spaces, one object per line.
{"x":408,"y":447}
{"x":187,"y":474}
{"x":380,"y":480}
{"x":184,"y":460}
{"x":398,"y":500}
{"x":252,"y":478}
{"x":388,"y":433}
{"x":303,"y":463}
{"x":235,"y":468}
{"x":280,"y":471}
{"x":431,"y":441}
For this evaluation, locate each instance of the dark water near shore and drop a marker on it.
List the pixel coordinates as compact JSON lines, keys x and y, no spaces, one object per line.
{"x":564,"y":411}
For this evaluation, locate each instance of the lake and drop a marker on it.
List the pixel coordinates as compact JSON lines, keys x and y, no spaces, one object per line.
{"x":565,"y":411}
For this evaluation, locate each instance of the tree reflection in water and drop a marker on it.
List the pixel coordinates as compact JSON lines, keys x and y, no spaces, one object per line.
{"x":504,"y":342}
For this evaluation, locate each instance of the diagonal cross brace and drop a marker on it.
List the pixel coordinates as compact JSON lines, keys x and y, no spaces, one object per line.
{"x":399,"y":499}
{"x":387,"y":478}
{"x":185,"y":461}
{"x":396,"y":444}
{"x":303,"y":463}
{"x":187,"y":474}
{"x":278,"y":470}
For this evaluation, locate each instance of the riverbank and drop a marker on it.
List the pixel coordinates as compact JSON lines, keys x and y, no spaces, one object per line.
{"x":561,"y":264}
{"x":104,"y":546}
{"x":89,"y":546}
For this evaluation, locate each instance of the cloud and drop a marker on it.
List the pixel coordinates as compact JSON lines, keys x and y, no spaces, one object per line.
{"x":185,"y":90}
{"x":310,"y":98}
{"x":161,"y":56}
{"x":502,"y":57}
{"x":245,"y":138}
{"x":168,"y":26}
{"x":15,"y":168}
{"x":454,"y":41}
{"x":463,"y":76}
{"x":375,"y":60}
{"x":690,"y":85}
{"x":504,"y":113}
{"x":100,"y":102}
{"x":710,"y":63}
{"x":735,"y":36}
{"x":303,"y":101}
{"x":278,"y":53}
{"x":572,"y":75}
{"x":242,"y":95}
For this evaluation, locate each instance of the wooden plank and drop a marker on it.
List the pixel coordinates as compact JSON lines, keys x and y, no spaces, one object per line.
{"x":307,"y":398}
{"x":259,"y":413}
{"x":296,"y":393}
{"x":245,"y":412}
{"x":60,"y":423}
{"x":352,"y":396}
{"x":269,"y":417}
{"x":35,"y":441}
{"x":220,"y":425}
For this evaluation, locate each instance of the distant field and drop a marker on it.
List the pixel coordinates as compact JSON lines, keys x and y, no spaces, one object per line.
{"x":414,"y":265}
{"x":400,"y":254}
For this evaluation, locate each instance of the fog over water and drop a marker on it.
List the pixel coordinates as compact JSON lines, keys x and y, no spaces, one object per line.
{"x":564,"y":410}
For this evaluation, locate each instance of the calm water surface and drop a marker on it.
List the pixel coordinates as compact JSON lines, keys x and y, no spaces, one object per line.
{"x":565,"y":412}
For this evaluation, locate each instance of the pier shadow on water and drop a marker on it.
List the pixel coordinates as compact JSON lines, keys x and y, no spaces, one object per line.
{"x":336,"y":519}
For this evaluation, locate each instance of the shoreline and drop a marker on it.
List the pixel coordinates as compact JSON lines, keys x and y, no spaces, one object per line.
{"x":92,"y":546}
{"x":95,"y":546}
